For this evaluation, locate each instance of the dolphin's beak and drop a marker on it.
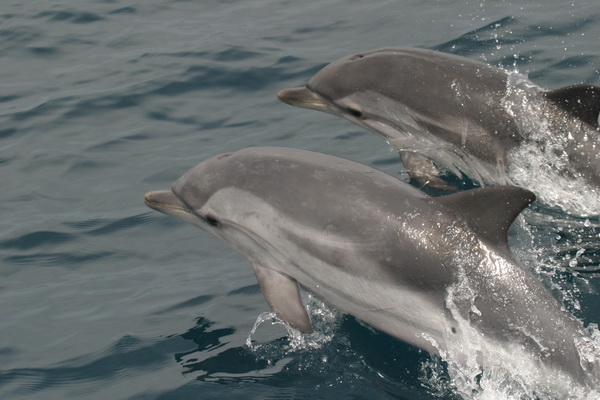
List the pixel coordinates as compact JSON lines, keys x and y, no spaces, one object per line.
{"x":304,"y":97}
{"x":168,"y":203}
{"x":164,"y":201}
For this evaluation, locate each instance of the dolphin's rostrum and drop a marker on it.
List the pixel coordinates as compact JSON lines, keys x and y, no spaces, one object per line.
{"x":429,"y":271}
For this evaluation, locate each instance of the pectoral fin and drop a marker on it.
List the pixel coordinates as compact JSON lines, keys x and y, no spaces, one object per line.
{"x":424,"y":171}
{"x":283,"y":295}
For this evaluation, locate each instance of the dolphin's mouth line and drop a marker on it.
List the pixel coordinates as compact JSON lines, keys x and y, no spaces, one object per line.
{"x":305,"y":98}
{"x":154,"y":204}
{"x":306,"y":104}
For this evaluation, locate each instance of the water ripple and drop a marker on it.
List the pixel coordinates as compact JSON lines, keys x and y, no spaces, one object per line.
{"x":109,"y":226}
{"x":124,"y":10}
{"x":73,"y":17}
{"x":481,"y":39}
{"x":58,"y":259}
{"x":16,"y":37}
{"x":128,"y":353}
{"x":196,"y":301}
{"x":37,"y":239}
{"x":203,"y":337}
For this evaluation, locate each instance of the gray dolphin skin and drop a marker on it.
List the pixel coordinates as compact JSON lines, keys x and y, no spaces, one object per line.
{"x":434,"y":272}
{"x":449,"y":112}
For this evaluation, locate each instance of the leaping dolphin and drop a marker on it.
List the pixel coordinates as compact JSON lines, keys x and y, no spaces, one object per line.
{"x":434,"y":272}
{"x":445,"y":111}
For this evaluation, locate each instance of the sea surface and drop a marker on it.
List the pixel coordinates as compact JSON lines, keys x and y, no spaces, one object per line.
{"x":102,"y":101}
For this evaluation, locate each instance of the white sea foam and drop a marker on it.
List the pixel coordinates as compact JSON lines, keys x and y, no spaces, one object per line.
{"x":510,"y":371}
{"x":540,"y":163}
{"x":324,"y":320}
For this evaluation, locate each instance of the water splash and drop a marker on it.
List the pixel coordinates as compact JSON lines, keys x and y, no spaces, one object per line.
{"x":562,"y":242}
{"x":540,"y":163}
{"x":325,"y":322}
{"x":512,"y":375}
{"x":510,"y":371}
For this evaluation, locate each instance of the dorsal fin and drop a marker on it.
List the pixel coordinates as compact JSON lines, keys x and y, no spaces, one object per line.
{"x":583,"y":101}
{"x":490,"y":211}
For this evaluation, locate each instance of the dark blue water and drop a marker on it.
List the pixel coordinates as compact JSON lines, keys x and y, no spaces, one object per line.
{"x":102,"y":101}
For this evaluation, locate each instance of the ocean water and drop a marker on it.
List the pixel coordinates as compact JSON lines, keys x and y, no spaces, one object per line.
{"x":102,"y":101}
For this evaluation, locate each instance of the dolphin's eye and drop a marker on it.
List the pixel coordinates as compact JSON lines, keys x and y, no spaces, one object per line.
{"x":212,"y":221}
{"x":355,"y":113}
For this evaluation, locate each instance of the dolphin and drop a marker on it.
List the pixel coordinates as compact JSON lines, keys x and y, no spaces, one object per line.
{"x":449,"y":113}
{"x":434,"y":272}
